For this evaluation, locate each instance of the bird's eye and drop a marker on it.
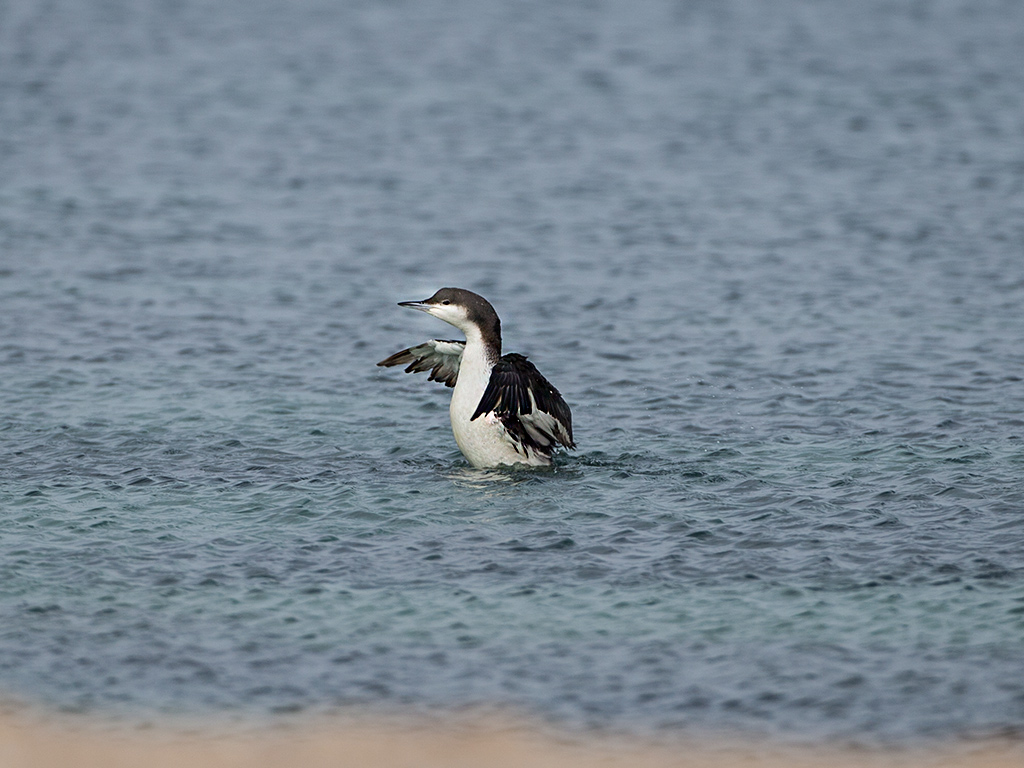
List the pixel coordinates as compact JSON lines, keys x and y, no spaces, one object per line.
{"x":446,"y":302}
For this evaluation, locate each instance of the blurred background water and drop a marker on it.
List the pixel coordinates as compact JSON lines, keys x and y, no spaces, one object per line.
{"x":771,"y":253}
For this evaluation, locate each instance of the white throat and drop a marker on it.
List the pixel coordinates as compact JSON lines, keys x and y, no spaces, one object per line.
{"x":474,"y":373}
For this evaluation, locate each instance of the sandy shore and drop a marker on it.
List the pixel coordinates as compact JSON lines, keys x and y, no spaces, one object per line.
{"x":27,"y":744}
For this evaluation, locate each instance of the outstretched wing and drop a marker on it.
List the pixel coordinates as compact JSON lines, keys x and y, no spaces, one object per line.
{"x":530,"y":408}
{"x":439,"y":356}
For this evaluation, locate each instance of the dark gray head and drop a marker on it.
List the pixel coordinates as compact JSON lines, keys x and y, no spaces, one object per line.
{"x":467,"y":311}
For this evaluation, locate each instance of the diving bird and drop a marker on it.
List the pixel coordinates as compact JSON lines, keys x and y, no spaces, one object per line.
{"x":503,"y":411}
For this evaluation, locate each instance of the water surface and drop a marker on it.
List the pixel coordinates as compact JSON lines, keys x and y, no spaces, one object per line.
{"x":772,"y":255}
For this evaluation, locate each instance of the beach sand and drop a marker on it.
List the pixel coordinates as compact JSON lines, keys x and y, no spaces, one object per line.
{"x":26,"y":743}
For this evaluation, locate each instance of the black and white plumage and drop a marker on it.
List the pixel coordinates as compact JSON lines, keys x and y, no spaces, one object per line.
{"x":439,"y":356}
{"x":503,"y":411}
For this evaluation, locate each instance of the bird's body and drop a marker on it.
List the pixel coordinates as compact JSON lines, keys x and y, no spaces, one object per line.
{"x":503,"y":411}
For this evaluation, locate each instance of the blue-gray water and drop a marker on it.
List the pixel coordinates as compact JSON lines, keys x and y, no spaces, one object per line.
{"x":771,"y":253}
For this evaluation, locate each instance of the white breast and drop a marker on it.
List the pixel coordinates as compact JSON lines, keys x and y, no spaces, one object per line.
{"x":483,"y":441}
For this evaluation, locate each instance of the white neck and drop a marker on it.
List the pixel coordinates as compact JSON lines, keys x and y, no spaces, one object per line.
{"x":475,"y":345}
{"x":474,"y":373}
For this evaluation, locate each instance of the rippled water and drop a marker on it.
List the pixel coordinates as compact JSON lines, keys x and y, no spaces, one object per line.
{"x":772,"y":255}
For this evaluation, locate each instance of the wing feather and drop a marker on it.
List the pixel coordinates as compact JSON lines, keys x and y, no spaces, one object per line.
{"x":441,"y":357}
{"x":529,"y":407}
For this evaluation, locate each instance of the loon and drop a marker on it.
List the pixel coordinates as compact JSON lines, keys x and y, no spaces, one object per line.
{"x":503,"y":411}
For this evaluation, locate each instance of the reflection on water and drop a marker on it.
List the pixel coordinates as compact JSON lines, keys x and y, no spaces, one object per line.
{"x":484,"y":479}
